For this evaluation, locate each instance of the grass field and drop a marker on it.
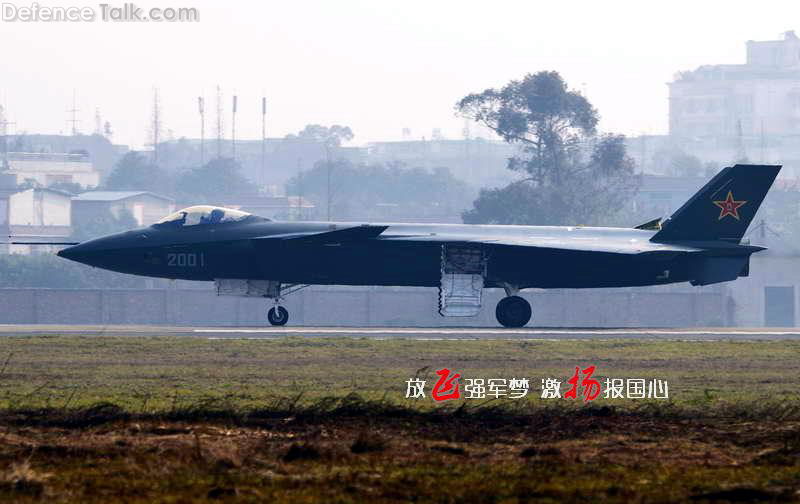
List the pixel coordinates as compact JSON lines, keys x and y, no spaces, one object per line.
{"x":326,"y":420}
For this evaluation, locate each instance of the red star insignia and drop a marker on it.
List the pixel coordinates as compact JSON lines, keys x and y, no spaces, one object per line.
{"x":729,"y":206}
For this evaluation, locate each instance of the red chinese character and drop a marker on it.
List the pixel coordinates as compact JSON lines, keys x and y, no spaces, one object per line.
{"x":572,"y":393}
{"x":591,"y":388}
{"x":446,"y":388}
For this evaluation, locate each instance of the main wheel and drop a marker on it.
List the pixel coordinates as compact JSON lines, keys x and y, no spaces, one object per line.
{"x":278,"y":315}
{"x":513,"y":311}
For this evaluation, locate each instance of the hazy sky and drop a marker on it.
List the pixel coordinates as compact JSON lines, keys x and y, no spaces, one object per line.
{"x":377,"y":66}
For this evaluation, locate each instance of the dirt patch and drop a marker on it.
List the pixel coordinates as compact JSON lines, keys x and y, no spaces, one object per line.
{"x":613,"y":457}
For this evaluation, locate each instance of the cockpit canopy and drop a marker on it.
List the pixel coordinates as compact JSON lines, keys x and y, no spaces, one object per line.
{"x":201,"y":215}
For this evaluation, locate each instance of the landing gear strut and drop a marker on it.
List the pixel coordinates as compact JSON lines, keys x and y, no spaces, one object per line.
{"x":513,"y":310}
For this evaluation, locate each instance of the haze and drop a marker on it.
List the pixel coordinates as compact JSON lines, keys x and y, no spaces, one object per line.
{"x":377,"y":67}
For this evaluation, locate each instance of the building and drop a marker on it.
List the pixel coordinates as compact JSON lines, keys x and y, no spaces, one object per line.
{"x":477,"y":161}
{"x":145,"y":207}
{"x":723,"y":113}
{"x":37,"y":214}
{"x":283,"y":158}
{"x":660,"y":196}
{"x":272,"y":207}
{"x":47,"y":169}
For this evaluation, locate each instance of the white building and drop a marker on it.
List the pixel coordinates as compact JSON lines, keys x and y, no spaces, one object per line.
{"x":725,"y":112}
{"x":35,"y":215}
{"x":47,"y":169}
{"x":145,"y":207}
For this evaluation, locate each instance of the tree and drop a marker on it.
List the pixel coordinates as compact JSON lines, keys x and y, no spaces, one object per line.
{"x":70,"y":187}
{"x":377,"y":191}
{"x":220,"y":176}
{"x":673,"y":161}
{"x":134,"y":172}
{"x":329,"y":136}
{"x":102,"y":224}
{"x":569,"y":174}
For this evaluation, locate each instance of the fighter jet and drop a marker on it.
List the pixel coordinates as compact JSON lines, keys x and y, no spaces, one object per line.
{"x":248,"y":255}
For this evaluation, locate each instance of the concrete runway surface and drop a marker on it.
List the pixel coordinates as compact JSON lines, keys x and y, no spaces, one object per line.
{"x":418,"y":333}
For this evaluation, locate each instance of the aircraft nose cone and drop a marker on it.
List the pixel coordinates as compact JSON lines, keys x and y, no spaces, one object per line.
{"x":79,"y":253}
{"x":107,"y":252}
{"x":72,"y":253}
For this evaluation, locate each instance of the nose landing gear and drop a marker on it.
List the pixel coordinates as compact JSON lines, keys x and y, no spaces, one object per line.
{"x":278,"y":315}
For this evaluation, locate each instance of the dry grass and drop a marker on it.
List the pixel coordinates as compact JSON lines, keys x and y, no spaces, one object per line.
{"x":551,"y":456}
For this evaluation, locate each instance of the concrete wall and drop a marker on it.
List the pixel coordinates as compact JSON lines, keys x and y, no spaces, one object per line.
{"x":766,"y":270}
{"x":371,"y":306}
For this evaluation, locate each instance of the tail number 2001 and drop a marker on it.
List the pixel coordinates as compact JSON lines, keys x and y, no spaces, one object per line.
{"x":186,"y":259}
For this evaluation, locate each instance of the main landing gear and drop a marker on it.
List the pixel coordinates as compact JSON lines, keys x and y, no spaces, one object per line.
{"x":513,"y":310}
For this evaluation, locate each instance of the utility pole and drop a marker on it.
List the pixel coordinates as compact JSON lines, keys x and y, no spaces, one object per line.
{"x":328,"y":164}
{"x":219,"y":122}
{"x":98,"y":122}
{"x":74,"y":115}
{"x":201,"y":109}
{"x":741,"y":153}
{"x":300,"y":188}
{"x":263,"y":140}
{"x":233,"y":130}
{"x":643,"y":138}
{"x":156,"y":124}
{"x":4,"y":136}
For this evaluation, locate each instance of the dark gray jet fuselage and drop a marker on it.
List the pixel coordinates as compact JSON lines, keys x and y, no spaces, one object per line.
{"x":699,"y":243}
{"x":402,"y":255}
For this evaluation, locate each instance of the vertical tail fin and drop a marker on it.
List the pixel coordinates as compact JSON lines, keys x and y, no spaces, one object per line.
{"x":723,"y":208}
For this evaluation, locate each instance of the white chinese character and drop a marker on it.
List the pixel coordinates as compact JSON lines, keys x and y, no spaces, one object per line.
{"x":497,"y":387}
{"x":474,"y":389}
{"x":415,"y":388}
{"x":658,"y":389}
{"x":551,"y":388}
{"x":635,"y":388}
{"x":614,"y":389}
{"x":519,"y":388}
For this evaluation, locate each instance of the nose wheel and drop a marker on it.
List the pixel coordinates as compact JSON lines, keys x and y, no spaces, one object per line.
{"x":278,"y":315}
{"x":276,"y":291}
{"x":513,"y":311}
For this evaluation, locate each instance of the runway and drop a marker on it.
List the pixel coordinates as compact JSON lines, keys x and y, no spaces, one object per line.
{"x":416,"y":333}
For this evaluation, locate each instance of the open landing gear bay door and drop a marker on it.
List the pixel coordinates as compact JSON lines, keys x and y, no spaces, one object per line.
{"x":461,"y":285}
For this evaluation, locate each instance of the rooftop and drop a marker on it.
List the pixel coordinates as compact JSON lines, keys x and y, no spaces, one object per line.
{"x":769,"y":59}
{"x":114,"y":195}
